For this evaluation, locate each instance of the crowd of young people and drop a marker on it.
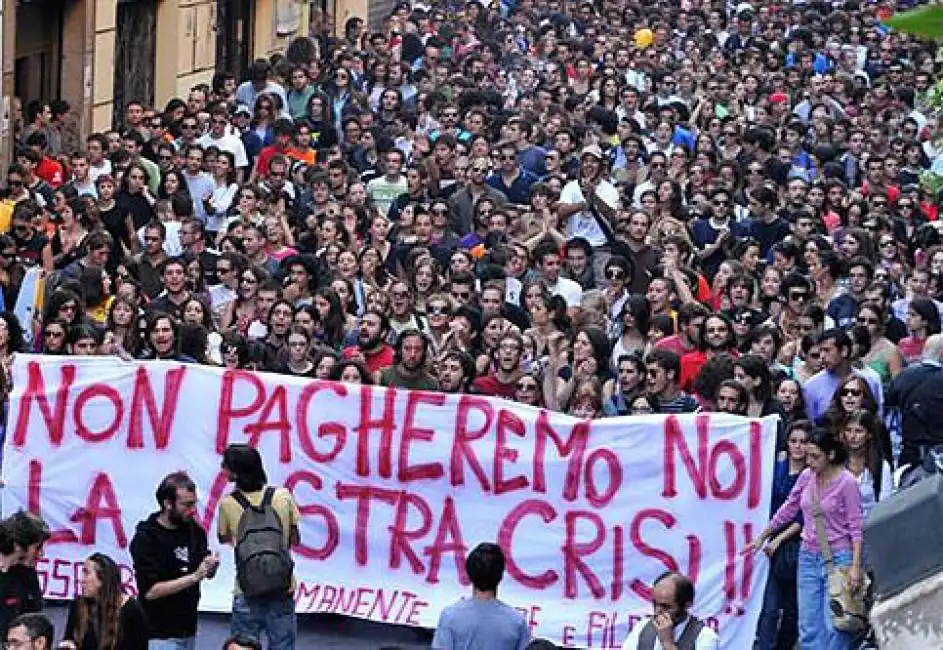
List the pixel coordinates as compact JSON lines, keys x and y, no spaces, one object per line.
{"x":600,"y":208}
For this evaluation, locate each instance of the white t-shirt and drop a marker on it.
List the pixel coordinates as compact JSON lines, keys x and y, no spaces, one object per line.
{"x":229,"y":142}
{"x":94,"y":172}
{"x":571,"y":291}
{"x":583,"y":224}
{"x":172,"y":245}
{"x":706,"y":640}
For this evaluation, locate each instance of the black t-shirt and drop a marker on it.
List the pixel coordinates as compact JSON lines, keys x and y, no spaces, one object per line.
{"x":114,"y":221}
{"x":161,"y":554}
{"x":19,"y":594}
{"x":30,"y":251}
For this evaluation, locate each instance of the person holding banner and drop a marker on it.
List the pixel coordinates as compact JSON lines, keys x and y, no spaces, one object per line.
{"x":672,"y":627}
{"x":482,"y":622}
{"x":827,"y":490}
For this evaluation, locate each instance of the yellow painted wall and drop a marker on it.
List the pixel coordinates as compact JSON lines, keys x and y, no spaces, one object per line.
{"x":103,"y":65}
{"x":349,"y":9}
{"x":265,"y":41}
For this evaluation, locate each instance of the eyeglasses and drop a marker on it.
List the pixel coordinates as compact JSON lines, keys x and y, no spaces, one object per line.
{"x":439,"y":310}
{"x":888,"y":243}
{"x":480,"y":170}
{"x":720,"y":202}
{"x":798,"y":296}
{"x":851,"y":392}
{"x":657,"y":165}
{"x":53,"y":334}
{"x":509,"y":157}
{"x":248,"y":280}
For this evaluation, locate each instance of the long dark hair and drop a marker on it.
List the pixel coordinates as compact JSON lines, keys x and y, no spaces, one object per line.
{"x":756,"y":368}
{"x":333,"y":325}
{"x":101,"y":614}
{"x":244,"y":463}
{"x":875,"y":455}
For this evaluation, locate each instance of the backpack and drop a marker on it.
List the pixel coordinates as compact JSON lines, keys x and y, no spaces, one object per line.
{"x":263,"y":561}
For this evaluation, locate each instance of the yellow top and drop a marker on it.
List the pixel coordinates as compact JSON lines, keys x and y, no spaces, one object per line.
{"x":230,"y":512}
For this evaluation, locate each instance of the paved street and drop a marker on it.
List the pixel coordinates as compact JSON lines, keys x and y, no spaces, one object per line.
{"x":315,"y":632}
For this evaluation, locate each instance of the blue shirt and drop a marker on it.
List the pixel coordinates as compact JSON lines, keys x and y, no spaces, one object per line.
{"x":820,"y":390}
{"x":519,"y":190}
{"x":481,"y":624}
{"x":199,"y":185}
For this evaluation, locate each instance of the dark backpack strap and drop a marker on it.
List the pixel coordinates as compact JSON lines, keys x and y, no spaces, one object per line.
{"x":691,"y":632}
{"x":267,"y":498}
{"x":241,"y":499}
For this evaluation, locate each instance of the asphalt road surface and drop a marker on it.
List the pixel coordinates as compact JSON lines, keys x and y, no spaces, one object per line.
{"x":315,"y":632}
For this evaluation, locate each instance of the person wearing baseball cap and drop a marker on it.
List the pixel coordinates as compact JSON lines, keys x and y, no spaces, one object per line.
{"x":588,"y":204}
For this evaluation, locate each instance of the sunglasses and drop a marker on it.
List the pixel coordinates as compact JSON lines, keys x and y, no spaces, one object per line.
{"x":439,"y":310}
{"x":851,"y":392}
{"x":615,"y":274}
{"x":526,"y":385}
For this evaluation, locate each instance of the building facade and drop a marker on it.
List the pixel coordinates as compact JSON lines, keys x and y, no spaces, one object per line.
{"x":99,"y":54}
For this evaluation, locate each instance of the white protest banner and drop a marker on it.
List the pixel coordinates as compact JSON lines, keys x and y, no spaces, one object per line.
{"x":395,"y":487}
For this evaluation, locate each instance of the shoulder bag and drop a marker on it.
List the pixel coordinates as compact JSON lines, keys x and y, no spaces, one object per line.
{"x":848,"y":607}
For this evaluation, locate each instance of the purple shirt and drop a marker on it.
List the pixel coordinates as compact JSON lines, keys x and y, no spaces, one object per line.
{"x":820,"y":389}
{"x":841,"y":507}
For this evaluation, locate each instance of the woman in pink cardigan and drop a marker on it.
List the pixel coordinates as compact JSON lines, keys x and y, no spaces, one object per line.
{"x":837,"y":492}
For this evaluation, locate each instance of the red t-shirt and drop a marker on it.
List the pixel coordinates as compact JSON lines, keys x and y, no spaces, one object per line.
{"x":489,"y":385}
{"x":265,"y":157}
{"x":51,"y":172}
{"x":375,"y":361}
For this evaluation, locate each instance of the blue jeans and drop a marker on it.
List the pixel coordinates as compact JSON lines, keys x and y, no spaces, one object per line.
{"x":188,"y":643}
{"x":274,"y":617}
{"x":776,"y":629}
{"x":815,"y":617}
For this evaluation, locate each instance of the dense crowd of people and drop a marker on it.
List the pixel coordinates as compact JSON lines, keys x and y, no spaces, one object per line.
{"x":600,"y":208}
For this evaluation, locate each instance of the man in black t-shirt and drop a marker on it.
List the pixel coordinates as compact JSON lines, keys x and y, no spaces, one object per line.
{"x":171,"y":559}
{"x":22,"y":537}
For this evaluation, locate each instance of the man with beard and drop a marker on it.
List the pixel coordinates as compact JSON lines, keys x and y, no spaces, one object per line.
{"x":171,"y":559}
{"x":502,"y":381}
{"x":372,"y":349}
{"x":716,"y":337}
{"x":455,"y":372}
{"x":409,"y":370}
